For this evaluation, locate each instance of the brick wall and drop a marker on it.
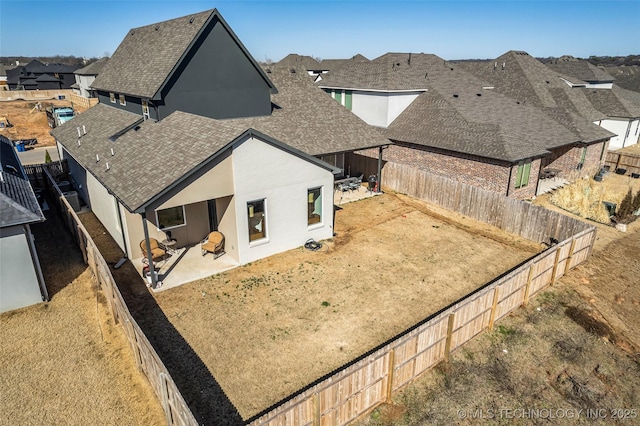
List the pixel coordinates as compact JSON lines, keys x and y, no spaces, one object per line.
{"x":492,"y":175}
{"x":567,"y":159}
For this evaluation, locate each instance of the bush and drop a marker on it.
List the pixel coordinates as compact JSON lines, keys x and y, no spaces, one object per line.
{"x":636,"y":202}
{"x":626,"y":207}
{"x":47,"y":157}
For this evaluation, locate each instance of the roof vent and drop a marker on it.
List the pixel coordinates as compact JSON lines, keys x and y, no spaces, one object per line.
{"x":268,"y":70}
{"x":112,"y":153}
{"x":518,"y":102}
{"x":191,"y":20}
{"x":108,"y":165}
{"x":157,"y":27}
{"x":97,"y":158}
{"x":78,"y":141}
{"x":136,"y":128}
{"x":547,"y":81}
{"x":455,"y":95}
{"x":292,"y":70}
{"x":478,"y":94}
{"x":451,"y":69}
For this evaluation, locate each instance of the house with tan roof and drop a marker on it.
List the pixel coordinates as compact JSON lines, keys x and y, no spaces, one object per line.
{"x":446,"y":121}
{"x":193,"y":136}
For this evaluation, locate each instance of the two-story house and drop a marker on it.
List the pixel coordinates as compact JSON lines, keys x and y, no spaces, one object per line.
{"x":85,"y":77}
{"x":192,"y":135}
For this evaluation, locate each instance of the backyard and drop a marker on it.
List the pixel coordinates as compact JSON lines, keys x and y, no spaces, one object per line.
{"x":265,"y":330}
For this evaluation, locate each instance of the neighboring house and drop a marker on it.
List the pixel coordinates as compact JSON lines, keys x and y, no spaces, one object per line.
{"x":451,"y":123}
{"x":85,"y":77}
{"x":311,"y":65}
{"x":206,"y":142}
{"x":3,"y":76}
{"x":38,"y":76}
{"x":21,"y":281}
{"x":626,"y":76}
{"x":620,"y":106}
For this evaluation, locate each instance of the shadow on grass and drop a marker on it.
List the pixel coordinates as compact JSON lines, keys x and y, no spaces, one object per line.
{"x":202,"y":393}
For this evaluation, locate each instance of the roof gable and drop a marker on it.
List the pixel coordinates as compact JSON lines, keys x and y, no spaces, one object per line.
{"x":148,"y":57}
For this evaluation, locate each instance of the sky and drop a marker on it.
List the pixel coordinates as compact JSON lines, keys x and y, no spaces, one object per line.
{"x":271,"y":29}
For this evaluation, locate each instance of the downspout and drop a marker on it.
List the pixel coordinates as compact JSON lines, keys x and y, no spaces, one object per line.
{"x":511,"y":174}
{"x":36,"y":262}
{"x":626,"y":136}
{"x":124,"y":238}
{"x":149,"y":255}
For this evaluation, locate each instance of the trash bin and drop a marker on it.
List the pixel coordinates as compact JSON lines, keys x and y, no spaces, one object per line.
{"x":372,"y":182}
{"x":20,"y":146}
{"x":611,"y":207}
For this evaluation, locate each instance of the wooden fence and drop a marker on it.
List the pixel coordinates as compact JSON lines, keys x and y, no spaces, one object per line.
{"x":375,"y":377}
{"x":630,"y":162}
{"x":77,"y":100}
{"x":176,"y":409}
{"x":34,"y":95}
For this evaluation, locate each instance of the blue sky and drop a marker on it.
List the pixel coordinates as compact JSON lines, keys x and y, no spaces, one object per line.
{"x":337,"y":29}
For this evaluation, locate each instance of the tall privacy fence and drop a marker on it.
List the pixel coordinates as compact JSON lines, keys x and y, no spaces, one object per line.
{"x":629,"y":162}
{"x":34,"y":95}
{"x":176,"y":410}
{"x":77,"y":100}
{"x":375,"y":377}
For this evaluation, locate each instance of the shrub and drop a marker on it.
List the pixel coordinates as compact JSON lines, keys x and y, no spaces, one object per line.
{"x":47,"y":157}
{"x":636,"y":202}
{"x":626,"y":206}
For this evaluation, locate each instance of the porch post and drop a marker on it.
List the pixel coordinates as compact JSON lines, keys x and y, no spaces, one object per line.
{"x":149,"y":254}
{"x":378,"y":189}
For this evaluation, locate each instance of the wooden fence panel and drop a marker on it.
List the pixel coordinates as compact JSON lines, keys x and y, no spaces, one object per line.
{"x":471,"y":318}
{"x":628,"y":161}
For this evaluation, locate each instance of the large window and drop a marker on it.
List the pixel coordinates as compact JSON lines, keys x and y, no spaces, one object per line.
{"x":257,"y":218}
{"x":171,"y":217}
{"x":314,"y":206}
{"x":522,"y":174}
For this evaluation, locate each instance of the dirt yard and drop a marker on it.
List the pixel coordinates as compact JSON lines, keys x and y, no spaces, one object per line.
{"x":267,"y":329}
{"x":30,"y":122}
{"x":575,"y":348}
{"x":64,"y":362}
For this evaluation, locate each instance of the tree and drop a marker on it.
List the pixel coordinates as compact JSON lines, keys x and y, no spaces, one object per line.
{"x":636,"y":202}
{"x":626,"y":206}
{"x":47,"y":157}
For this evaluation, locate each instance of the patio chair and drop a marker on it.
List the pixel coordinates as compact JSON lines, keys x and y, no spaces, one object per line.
{"x":213,"y":243}
{"x":157,"y":251}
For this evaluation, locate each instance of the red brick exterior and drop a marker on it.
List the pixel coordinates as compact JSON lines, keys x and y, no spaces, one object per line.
{"x":492,"y":175}
{"x":567,"y":159}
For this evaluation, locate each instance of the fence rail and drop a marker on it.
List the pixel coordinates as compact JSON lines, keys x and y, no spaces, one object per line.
{"x":617,"y":160}
{"x":82,"y":101}
{"x":176,"y":409}
{"x":372,"y":379}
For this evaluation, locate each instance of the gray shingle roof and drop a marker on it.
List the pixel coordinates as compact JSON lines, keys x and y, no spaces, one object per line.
{"x":18,"y":203}
{"x":615,"y":102}
{"x":150,"y":159}
{"x":627,"y":77}
{"x":580,"y":69}
{"x":333,"y":64}
{"x":148,"y":55}
{"x":94,"y":68}
{"x":300,"y":61}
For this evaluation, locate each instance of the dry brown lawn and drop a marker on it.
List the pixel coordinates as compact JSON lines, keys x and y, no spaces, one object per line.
{"x":29,"y":122}
{"x":64,"y":362}
{"x":267,"y":329}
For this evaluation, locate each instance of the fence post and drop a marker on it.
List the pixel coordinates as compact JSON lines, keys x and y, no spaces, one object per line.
{"x":528,"y":287}
{"x":567,"y":265}
{"x":447,"y":345}
{"x":494,"y":305}
{"x":315,"y":401}
{"x":555,"y":266}
{"x":391,"y":363}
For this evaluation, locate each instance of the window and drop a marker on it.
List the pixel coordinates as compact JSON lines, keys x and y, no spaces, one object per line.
{"x":522,"y":175}
{"x":256,"y":215}
{"x":170,"y":218}
{"x":314,"y":206}
{"x":145,"y":109}
{"x":122,"y":100}
{"x":112,"y":98}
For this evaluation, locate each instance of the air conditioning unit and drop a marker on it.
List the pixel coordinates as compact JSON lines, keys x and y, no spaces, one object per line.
{"x":73,"y":200}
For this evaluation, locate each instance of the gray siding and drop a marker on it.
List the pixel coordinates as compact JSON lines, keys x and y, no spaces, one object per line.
{"x":217,"y":80}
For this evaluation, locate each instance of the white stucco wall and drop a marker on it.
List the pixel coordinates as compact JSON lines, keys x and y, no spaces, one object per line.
{"x":19,"y":286}
{"x":105,"y":207}
{"x":263,"y":171}
{"x":381,"y":108}
{"x":85,"y":81}
{"x":627,"y":132}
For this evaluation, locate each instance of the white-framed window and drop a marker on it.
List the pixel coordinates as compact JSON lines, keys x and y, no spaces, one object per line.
{"x":123,"y":101}
{"x":522,"y":174}
{"x":145,"y":109}
{"x":257,"y":219}
{"x":314,"y":206}
{"x":172,"y":217}
{"x":112,"y":97}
